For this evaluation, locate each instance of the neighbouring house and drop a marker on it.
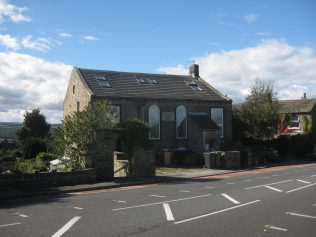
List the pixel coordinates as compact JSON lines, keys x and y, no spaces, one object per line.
{"x":300,"y":115}
{"x":183,"y":111}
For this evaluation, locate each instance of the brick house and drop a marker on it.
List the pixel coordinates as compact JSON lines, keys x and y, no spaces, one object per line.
{"x":181,"y":110}
{"x":298,"y":111}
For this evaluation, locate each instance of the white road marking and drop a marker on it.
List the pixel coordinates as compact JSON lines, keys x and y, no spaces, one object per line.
{"x":19,"y":223}
{"x":293,"y":190}
{"x":157,"y":203}
{"x":230,"y":198}
{"x":275,"y":228}
{"x":274,"y":175}
{"x":301,"y":215}
{"x":247,"y":180}
{"x":78,"y":208}
{"x":216,"y":212}
{"x":209,"y":187}
{"x":313,"y":175}
{"x":119,"y":201}
{"x":303,"y":181}
{"x":23,"y":215}
{"x":168,"y":212}
{"x":184,"y":191}
{"x":269,"y":184}
{"x":66,"y":227}
{"x":314,"y":205}
{"x":275,"y":189}
{"x":159,"y":196}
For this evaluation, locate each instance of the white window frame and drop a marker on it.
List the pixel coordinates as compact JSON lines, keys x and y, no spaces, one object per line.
{"x":295,"y":121}
{"x":186,"y":122}
{"x":159,"y":123}
{"x":220,"y":125}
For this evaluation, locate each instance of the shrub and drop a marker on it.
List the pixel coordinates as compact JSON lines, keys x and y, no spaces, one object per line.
{"x":46,"y":157}
{"x":33,"y":146}
{"x":29,"y":166}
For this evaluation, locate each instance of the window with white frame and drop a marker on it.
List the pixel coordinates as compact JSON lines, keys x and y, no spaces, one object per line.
{"x":154,"y":122}
{"x":217,"y":115}
{"x":295,"y":121}
{"x":181,"y":122}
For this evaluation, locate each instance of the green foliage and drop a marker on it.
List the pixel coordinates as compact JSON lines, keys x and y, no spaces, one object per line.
{"x":78,"y":130}
{"x":238,"y":126}
{"x":260,"y":112}
{"x":32,"y":146}
{"x":29,"y":166}
{"x":133,"y":134}
{"x":34,"y":125}
{"x":46,"y":157}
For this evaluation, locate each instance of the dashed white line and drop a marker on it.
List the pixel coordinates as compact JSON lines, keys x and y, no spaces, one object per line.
{"x":293,"y":190}
{"x":19,"y":223}
{"x":66,"y":227}
{"x":23,"y":215}
{"x":168,"y":212}
{"x":269,"y":184}
{"x":313,"y":175}
{"x":78,"y":208}
{"x":157,"y":203}
{"x":275,"y":228}
{"x":216,"y":212}
{"x":301,"y":215}
{"x":120,"y":201}
{"x":230,"y":198}
{"x":159,"y":196}
{"x":184,"y":191}
{"x":275,"y":189}
{"x":303,"y":181}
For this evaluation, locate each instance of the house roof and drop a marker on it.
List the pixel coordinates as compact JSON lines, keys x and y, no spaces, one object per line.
{"x":297,"y":106}
{"x":156,"y":86}
{"x":204,"y":122}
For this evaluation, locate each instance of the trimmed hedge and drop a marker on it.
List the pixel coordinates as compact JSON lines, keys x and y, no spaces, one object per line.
{"x":295,"y":145}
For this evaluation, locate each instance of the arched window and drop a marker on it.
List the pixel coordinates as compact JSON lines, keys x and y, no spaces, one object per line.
{"x":181,"y":122}
{"x":154,"y":122}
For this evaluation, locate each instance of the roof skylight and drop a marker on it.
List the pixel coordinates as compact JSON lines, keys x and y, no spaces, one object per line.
{"x":103,"y":82}
{"x":146,"y":81}
{"x":193,"y":85}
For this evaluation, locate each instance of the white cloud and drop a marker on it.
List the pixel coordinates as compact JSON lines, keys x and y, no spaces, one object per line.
{"x":29,"y":82}
{"x":39,"y":44}
{"x":9,"y":42}
{"x":291,"y":70}
{"x":10,"y":12}
{"x":65,"y":35}
{"x":89,"y":37}
{"x":250,"y":18}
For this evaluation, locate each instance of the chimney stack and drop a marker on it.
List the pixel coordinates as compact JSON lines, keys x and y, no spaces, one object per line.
{"x":194,"y":71}
{"x":304,"y":95}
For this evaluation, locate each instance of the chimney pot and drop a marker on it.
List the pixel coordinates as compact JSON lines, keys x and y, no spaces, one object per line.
{"x":304,"y":96}
{"x":194,"y":70}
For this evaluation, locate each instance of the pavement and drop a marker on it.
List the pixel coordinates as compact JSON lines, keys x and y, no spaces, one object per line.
{"x":18,"y":192}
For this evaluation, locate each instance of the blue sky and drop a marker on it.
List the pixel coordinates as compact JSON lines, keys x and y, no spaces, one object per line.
{"x":235,"y":42}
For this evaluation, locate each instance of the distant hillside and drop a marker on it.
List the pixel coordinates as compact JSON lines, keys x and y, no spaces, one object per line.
{"x":7,"y":129}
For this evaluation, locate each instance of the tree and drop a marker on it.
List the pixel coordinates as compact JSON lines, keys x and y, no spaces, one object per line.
{"x":133,"y":134}
{"x":78,"y":131}
{"x":34,"y":125}
{"x":260,"y":112}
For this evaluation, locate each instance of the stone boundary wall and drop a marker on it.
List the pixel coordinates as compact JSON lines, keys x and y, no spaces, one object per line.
{"x":50,"y":178}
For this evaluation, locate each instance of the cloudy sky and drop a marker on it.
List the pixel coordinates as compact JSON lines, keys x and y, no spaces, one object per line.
{"x":234,"y":42}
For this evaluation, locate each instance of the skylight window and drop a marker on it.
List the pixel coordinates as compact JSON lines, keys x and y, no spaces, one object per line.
{"x":147,"y":81}
{"x":103,"y":82}
{"x":193,"y":85}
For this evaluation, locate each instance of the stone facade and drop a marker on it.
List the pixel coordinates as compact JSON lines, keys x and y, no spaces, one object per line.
{"x":77,"y":94}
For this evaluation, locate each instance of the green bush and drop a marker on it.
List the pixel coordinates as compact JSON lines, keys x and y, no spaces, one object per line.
{"x":46,"y":157}
{"x":29,"y":166}
{"x":33,"y":146}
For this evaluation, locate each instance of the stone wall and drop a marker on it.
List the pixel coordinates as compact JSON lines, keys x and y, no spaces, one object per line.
{"x":131,"y":108}
{"x":100,"y":154}
{"x":144,"y":163}
{"x":50,"y":178}
{"x":76,"y":92}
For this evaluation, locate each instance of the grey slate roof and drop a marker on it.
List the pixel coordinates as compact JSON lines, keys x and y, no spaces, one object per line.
{"x":297,"y":106}
{"x":204,"y":122}
{"x":124,"y":84}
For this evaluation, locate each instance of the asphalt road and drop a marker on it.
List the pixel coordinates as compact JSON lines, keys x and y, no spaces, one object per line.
{"x":277,"y":201}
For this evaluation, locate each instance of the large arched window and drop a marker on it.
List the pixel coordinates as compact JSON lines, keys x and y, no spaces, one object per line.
{"x":181,"y":122}
{"x":154,"y":122}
